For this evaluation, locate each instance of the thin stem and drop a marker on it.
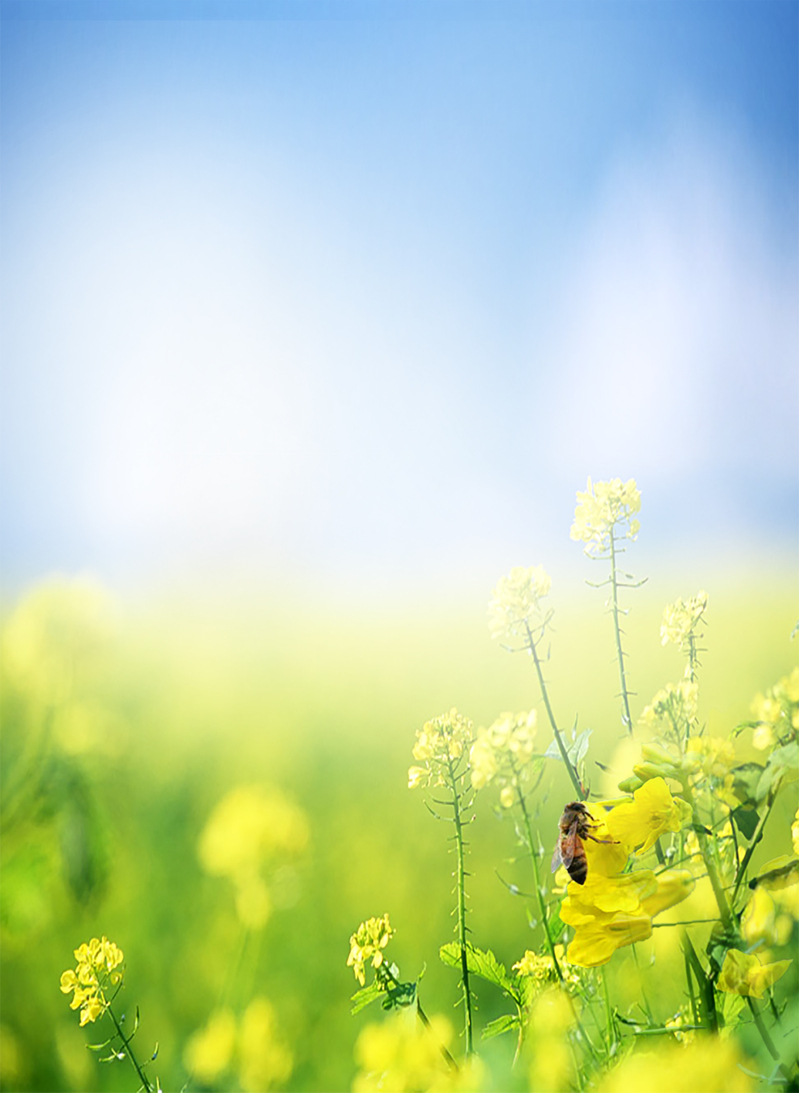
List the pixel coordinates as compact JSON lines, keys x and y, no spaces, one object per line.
{"x":575,"y":778}
{"x":609,"y":1013}
{"x":766,"y":1038}
{"x":709,"y":860}
{"x":626,"y":716}
{"x":420,"y":1013}
{"x":129,"y":1051}
{"x":461,"y":890}
{"x":756,"y":837}
{"x":542,"y":907}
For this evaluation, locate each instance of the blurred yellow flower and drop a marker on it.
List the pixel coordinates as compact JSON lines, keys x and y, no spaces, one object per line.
{"x":674,"y":708}
{"x":652,"y":813}
{"x":440,"y":743}
{"x":602,"y":508}
{"x":742,"y":973}
{"x":552,"y":1016}
{"x":761,"y":923}
{"x":402,"y":1056}
{"x":265,"y":1062}
{"x":96,"y":968}
{"x":681,"y":618}
{"x":251,"y":831}
{"x":502,"y":751}
{"x":515,"y":608}
{"x":710,"y":1064}
{"x":367,"y":943}
{"x":777,"y":712}
{"x":209,"y":1050}
{"x":795,"y":833}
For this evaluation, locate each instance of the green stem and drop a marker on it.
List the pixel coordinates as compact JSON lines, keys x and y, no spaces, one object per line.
{"x":420,"y":1013}
{"x":542,"y":907}
{"x":709,"y":860}
{"x":707,"y":999}
{"x":626,"y":717}
{"x":769,"y":1043}
{"x":461,"y":891}
{"x":609,"y":1014}
{"x":575,"y":778}
{"x":129,"y":1051}
{"x":756,"y":837}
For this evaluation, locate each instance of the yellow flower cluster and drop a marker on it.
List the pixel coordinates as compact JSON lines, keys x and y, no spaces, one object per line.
{"x":710,"y":1064}
{"x":97,"y":964}
{"x":515,"y":608}
{"x":612,"y":909}
{"x":367,"y":944}
{"x":742,"y":973}
{"x":768,"y":919}
{"x":440,"y":744}
{"x":502,"y":751}
{"x":541,"y":968}
{"x":253,"y":1045}
{"x":777,"y":712}
{"x":681,"y":618}
{"x":403,"y":1056}
{"x":673,"y":709}
{"x":552,"y":1018}
{"x":251,"y":830}
{"x":601,"y":509}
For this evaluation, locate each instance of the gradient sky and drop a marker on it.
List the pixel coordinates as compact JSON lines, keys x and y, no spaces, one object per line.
{"x":367,"y":290}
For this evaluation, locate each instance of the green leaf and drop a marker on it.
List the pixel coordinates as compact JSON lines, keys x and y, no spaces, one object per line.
{"x":403,"y":994}
{"x":479,"y":962}
{"x":783,"y":764}
{"x":506,"y":1023}
{"x":745,"y":779}
{"x":365,"y":996}
{"x":746,"y":820}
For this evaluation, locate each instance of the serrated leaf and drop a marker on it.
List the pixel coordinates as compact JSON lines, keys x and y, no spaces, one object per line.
{"x":497,"y":1027}
{"x":479,"y":962}
{"x":365,"y":996}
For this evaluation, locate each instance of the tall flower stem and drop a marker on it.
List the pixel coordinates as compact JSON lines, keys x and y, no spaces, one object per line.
{"x":626,"y":717}
{"x":542,"y":907}
{"x":579,"y":789}
{"x":145,"y":1081}
{"x":710,"y":862}
{"x":460,"y":849}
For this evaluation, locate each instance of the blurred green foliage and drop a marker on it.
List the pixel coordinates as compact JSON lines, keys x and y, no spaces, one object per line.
{"x":123,"y":726}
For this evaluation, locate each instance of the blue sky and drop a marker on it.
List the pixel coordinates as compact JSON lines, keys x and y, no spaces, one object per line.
{"x":365,"y":291}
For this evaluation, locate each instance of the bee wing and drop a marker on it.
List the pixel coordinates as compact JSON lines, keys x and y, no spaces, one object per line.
{"x":567,"y":847}
{"x":556,"y":858}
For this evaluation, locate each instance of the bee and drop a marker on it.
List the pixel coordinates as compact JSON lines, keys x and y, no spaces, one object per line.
{"x":575,"y":826}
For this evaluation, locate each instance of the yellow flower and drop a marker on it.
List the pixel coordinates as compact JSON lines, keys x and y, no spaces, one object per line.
{"x":777,"y":712}
{"x":762,"y":924}
{"x":515,"y":608}
{"x":97,"y":961}
{"x":610,"y":912}
{"x":367,"y":943}
{"x":440,"y":744}
{"x":674,"y":708}
{"x":209,"y":1050}
{"x":795,"y":833}
{"x":552,"y":1016}
{"x":743,"y":974}
{"x":651,"y":814}
{"x":601,"y":509}
{"x":404,"y":1056}
{"x":503,"y":750}
{"x":709,"y":1064}
{"x":541,"y":968}
{"x":681,"y":618}
{"x":265,"y":1061}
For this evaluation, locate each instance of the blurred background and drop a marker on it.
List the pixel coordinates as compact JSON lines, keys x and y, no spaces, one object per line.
{"x":315,"y":317}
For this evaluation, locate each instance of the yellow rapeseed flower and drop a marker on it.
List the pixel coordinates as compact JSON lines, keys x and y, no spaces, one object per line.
{"x":651,"y":813}
{"x":502,"y":752}
{"x":403,"y":1056}
{"x":762,"y":923}
{"x":440,"y":744}
{"x":711,"y":1065}
{"x":681,"y":618}
{"x":367,"y":944}
{"x":209,"y":1050}
{"x":742,"y":973}
{"x":515,"y":608}
{"x":265,"y":1062}
{"x":97,"y":967}
{"x":601,"y":509}
{"x":777,"y":712}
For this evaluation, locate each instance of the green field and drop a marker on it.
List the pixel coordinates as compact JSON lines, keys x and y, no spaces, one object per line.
{"x":125,"y":723}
